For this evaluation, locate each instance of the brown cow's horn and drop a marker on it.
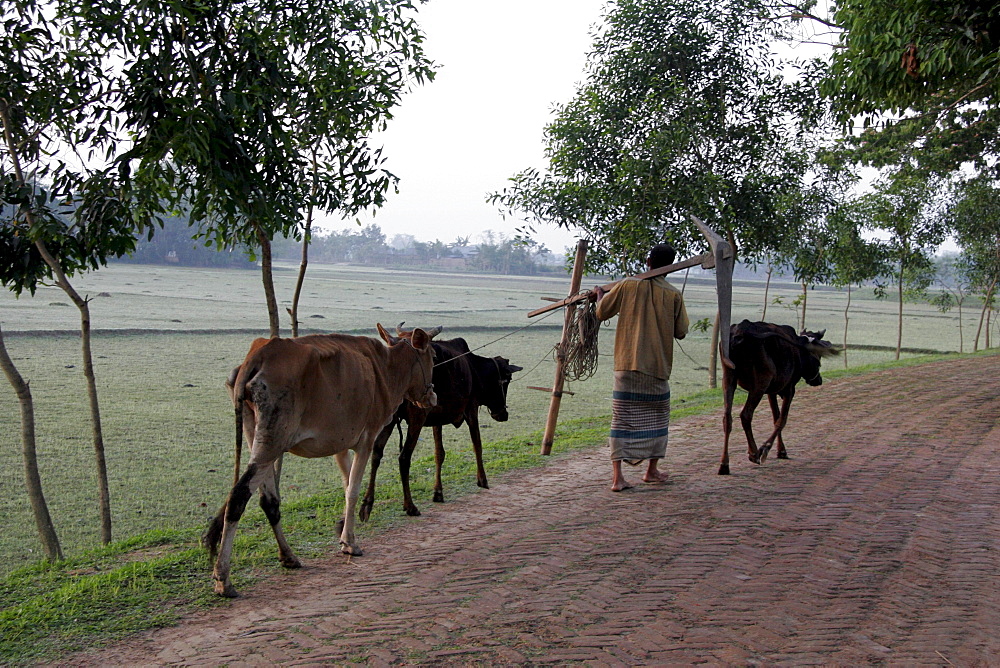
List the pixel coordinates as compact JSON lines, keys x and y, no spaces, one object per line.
{"x":434,"y":331}
{"x":399,"y":328}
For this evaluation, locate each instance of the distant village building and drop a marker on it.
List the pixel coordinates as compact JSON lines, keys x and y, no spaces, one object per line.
{"x":458,"y":257}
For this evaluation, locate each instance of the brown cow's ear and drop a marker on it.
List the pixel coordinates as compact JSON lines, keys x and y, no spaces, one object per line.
{"x":420,"y":339}
{"x":386,"y":336}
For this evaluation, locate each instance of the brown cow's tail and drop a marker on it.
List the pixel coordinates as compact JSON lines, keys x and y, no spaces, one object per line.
{"x":239,"y":392}
{"x":213,"y":535}
{"x":246,"y":373}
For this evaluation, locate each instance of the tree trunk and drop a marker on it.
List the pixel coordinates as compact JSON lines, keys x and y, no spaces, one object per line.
{"x":989,"y":314}
{"x":899,"y":326}
{"x":982,"y":314}
{"x":805,"y":303}
{"x":104,"y":498}
{"x":32,"y":479}
{"x":104,"y":495}
{"x":267,"y":278}
{"x":713,"y":355}
{"x":294,"y":311}
{"x":767,"y":288}
{"x":961,"y":339}
{"x":846,"y":322}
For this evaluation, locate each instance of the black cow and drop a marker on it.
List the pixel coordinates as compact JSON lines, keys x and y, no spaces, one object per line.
{"x":765,"y":358}
{"x":463,"y":382}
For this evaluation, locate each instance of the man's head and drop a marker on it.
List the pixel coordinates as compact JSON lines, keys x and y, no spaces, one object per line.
{"x":661,"y":255}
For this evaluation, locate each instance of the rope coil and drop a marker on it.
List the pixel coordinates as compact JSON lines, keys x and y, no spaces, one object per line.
{"x":580,"y":354}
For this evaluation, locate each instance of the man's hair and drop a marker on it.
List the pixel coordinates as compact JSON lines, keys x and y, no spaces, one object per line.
{"x":661,"y":255}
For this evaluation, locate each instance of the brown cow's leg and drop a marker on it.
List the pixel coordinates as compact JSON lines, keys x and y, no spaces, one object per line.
{"x":477,"y":447}
{"x":413,"y":428}
{"x":438,"y":462}
{"x":270,"y":503}
{"x":348,"y":545}
{"x":343,"y":459}
{"x":746,"y":418}
{"x":728,"y":391}
{"x":365,"y":510}
{"x":235,"y":506}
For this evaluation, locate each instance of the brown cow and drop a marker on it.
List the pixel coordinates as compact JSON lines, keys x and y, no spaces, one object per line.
{"x":314,"y":396}
{"x":770,"y":359}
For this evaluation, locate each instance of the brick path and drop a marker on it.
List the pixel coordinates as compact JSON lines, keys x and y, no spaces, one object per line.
{"x":878,"y":543}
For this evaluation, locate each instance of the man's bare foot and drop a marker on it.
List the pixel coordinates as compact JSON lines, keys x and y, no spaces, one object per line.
{"x":655,"y":478}
{"x":620,"y":485}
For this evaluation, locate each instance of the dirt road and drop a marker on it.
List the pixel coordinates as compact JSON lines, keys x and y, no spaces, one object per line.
{"x":877,"y":543}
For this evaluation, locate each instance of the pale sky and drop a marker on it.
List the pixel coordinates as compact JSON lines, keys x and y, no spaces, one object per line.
{"x":503,"y":65}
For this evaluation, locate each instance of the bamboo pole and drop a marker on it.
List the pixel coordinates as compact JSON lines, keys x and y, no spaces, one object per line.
{"x":706,"y":261}
{"x":557,"y":383}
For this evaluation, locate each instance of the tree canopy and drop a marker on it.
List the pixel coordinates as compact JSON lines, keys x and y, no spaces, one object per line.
{"x":922,"y":79}
{"x":64,"y":214}
{"x":227,"y":101}
{"x":684,"y":110}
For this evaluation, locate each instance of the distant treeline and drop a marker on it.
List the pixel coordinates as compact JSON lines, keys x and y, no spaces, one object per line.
{"x":174,"y":244}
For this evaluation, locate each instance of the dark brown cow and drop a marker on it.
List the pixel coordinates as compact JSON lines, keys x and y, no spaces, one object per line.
{"x":463,"y":381}
{"x":770,"y":359}
{"x":314,"y":396}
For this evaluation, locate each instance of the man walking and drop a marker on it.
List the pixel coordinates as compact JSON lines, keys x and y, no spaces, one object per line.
{"x":651,"y":315}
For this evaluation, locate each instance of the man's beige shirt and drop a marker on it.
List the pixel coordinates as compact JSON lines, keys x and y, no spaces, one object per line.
{"x":651,"y":315}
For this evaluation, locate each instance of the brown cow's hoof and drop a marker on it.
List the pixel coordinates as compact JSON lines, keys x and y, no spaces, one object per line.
{"x":763,"y":453}
{"x":483,"y":484}
{"x":438,"y":497}
{"x":364,"y":512}
{"x":724,"y":469}
{"x":351,"y":550}
{"x":225,"y":589}
{"x":412,"y":511}
{"x":782,"y":455}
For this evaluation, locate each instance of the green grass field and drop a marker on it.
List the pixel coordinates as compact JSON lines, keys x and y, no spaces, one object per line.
{"x":167,"y":337}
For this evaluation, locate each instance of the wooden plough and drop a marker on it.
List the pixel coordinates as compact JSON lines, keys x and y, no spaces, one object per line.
{"x":720,"y":257}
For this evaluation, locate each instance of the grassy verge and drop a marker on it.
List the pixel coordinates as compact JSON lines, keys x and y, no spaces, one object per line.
{"x":48,"y":610}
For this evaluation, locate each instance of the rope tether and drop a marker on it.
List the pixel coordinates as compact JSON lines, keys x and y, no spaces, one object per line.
{"x":490,"y":343}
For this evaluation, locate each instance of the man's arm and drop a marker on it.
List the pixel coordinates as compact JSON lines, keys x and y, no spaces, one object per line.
{"x":681,"y":322}
{"x":608,"y":301}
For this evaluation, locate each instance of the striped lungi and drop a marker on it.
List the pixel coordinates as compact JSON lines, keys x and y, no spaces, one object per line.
{"x":640,"y":417}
